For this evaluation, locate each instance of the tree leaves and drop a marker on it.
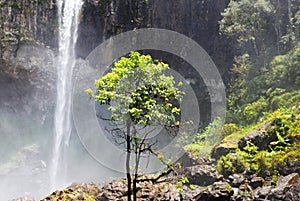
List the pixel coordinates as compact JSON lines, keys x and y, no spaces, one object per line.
{"x":139,"y":91}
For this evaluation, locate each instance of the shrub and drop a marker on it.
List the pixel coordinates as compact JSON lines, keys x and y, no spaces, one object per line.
{"x":253,"y":111}
{"x":247,"y":159}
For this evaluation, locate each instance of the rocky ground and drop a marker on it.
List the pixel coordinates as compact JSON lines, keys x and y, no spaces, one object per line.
{"x":205,"y":184}
{"x":197,"y":178}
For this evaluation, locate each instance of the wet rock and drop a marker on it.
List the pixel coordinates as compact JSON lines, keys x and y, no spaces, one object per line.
{"x":219,"y":191}
{"x":33,"y":56}
{"x":202,"y":175}
{"x":28,"y":19}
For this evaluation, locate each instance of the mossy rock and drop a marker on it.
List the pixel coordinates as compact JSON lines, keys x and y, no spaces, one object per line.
{"x":223,"y":149}
{"x":80,"y":192}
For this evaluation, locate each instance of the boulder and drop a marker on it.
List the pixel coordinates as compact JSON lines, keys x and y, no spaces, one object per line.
{"x":284,"y":184}
{"x":186,"y":160}
{"x":259,"y":137}
{"x":287,"y":189}
{"x":219,"y":191}
{"x":202,"y":175}
{"x":262,"y":194}
{"x":223,"y":149}
{"x":33,"y":56}
{"x":293,"y":193}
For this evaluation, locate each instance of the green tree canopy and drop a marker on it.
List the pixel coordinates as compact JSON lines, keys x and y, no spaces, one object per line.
{"x":138,"y":90}
{"x":140,"y":94}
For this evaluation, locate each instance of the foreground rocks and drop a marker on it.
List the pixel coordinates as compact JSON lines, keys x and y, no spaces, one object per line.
{"x":234,"y":188}
{"x":202,"y":175}
{"x":217,"y":191}
{"x":116,"y":190}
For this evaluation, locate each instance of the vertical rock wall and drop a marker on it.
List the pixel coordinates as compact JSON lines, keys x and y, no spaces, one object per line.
{"x":197,"y":19}
{"x":28,"y":28}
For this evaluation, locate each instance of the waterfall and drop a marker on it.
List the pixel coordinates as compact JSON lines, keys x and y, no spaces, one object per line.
{"x":68,"y":16}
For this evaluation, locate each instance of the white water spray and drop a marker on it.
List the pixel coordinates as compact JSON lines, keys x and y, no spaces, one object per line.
{"x":68,"y":16}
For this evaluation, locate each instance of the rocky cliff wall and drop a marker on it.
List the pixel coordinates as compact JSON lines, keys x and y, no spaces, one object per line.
{"x":197,"y":19}
{"x":28,"y":43}
{"x":28,"y":31}
{"x":28,"y":35}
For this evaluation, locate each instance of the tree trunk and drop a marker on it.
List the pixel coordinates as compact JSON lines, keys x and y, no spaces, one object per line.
{"x":128,"y":141}
{"x":134,"y":187}
{"x":137,"y":163}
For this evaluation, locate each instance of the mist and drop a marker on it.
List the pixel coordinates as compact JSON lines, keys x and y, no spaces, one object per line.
{"x":27,"y":108}
{"x":25,"y":157}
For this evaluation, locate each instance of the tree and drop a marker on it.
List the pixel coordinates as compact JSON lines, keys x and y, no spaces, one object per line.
{"x":139,"y":96}
{"x":247,"y":21}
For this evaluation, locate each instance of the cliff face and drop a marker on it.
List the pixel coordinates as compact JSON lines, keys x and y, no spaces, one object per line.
{"x":27,"y":31}
{"x":197,"y":19}
{"x":28,"y":40}
{"x":26,"y":20}
{"x":37,"y":21}
{"x":194,"y":18}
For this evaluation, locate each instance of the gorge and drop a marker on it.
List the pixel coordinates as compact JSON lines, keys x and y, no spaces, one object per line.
{"x":41,"y":42}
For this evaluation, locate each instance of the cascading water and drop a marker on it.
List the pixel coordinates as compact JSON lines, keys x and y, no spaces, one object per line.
{"x":68,"y":16}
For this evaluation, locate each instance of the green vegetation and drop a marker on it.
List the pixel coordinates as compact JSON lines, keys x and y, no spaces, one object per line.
{"x":285,"y":125}
{"x":266,"y":63}
{"x":264,"y":91}
{"x":213,"y":134}
{"x":139,"y":96}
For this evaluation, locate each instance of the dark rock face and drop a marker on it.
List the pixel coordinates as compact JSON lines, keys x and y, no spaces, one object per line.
{"x":29,"y":88}
{"x":195,"y":19}
{"x":36,"y":21}
{"x":29,"y":19}
{"x":27,"y":69}
{"x":25,"y":21}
